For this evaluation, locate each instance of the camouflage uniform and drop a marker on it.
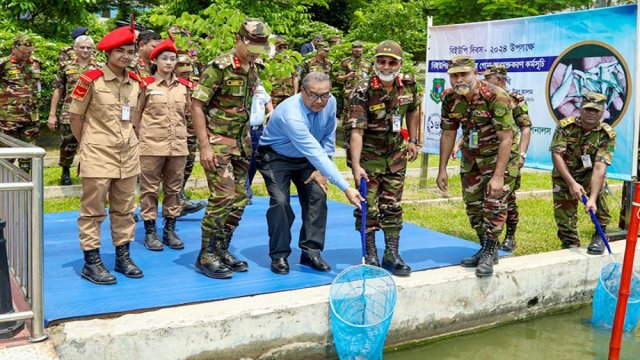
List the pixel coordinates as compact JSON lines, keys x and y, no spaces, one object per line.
{"x":571,"y":140}
{"x":282,"y":87}
{"x":361,"y":66}
{"x":312,"y":64}
{"x":142,"y":69}
{"x":227,"y":89}
{"x":185,"y":64}
{"x":20,"y":85}
{"x":66,"y":80}
{"x":66,"y":54}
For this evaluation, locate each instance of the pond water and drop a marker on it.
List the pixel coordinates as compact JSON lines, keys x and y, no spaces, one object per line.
{"x":561,"y":336}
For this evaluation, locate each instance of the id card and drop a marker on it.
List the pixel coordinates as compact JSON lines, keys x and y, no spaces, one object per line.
{"x":586,"y":161}
{"x":473,"y":139}
{"x":126,"y":112}
{"x":396,"y":121}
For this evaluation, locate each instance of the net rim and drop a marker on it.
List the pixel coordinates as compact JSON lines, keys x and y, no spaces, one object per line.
{"x":375,"y":268}
{"x":615,"y":296}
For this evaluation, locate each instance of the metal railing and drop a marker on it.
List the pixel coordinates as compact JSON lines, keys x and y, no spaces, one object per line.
{"x":21,"y":206}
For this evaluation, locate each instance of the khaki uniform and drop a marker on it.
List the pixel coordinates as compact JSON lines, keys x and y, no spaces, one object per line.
{"x":163,"y":145}
{"x":109,"y":162}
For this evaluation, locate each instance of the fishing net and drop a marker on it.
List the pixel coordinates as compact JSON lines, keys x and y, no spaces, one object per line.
{"x":605,"y":298}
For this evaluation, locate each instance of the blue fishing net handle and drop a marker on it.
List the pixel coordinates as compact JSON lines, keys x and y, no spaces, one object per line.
{"x":363,"y":217}
{"x":595,"y":221}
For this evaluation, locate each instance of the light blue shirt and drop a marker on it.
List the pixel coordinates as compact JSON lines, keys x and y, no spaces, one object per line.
{"x":295,"y":131}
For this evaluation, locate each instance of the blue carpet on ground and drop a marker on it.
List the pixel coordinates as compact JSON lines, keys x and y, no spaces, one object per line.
{"x":170,"y":277}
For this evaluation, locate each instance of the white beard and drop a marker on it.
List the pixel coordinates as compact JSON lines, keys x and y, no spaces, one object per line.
{"x":387,"y":77}
{"x":462,"y":89}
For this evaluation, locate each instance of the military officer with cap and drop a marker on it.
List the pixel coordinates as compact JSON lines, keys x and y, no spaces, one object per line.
{"x":352,"y":70}
{"x":489,"y":155}
{"x":104,"y":100}
{"x":581,"y":149}
{"x":220,"y":111}
{"x":284,"y":86}
{"x":497,"y":75}
{"x":68,"y":53}
{"x":378,"y":152}
{"x":19,"y":85}
{"x":319,"y":62}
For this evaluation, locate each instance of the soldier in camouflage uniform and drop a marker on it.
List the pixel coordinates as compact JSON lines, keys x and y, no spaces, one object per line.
{"x":184,"y":70}
{"x":65,"y":81}
{"x":286,"y":86}
{"x":490,"y":156}
{"x":582,"y":148}
{"x":319,"y":62}
{"x":68,"y":53}
{"x":147,"y":41}
{"x":20,"y":85}
{"x":378,"y":152}
{"x":352,"y":70}
{"x":224,"y":96}
{"x":497,"y":75}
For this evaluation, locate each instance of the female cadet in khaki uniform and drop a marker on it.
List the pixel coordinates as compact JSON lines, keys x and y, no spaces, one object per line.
{"x":160,"y":124}
{"x":100,"y":118}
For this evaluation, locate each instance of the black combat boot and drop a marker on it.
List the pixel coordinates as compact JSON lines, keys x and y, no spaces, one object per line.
{"x":151,"y":240}
{"x":472,"y":261}
{"x":486,"y":260}
{"x":124,"y":263}
{"x":226,"y":257}
{"x":391,"y":260}
{"x":169,"y":236}
{"x":94,"y":269}
{"x":509,"y":243}
{"x":596,"y":247}
{"x":188,"y":206}
{"x":371,"y":257}
{"x":65,"y":179}
{"x":209,"y":263}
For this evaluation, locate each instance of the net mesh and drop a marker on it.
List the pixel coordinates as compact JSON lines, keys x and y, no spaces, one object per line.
{"x":362,"y":299}
{"x":605,"y":298}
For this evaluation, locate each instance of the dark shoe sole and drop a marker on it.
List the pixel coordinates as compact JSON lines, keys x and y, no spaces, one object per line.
{"x":483,"y":275}
{"x":99,"y":282}
{"x":153,"y":249}
{"x":173,"y":247}
{"x":315,"y":268}
{"x":130,"y":276}
{"x":206,"y":272}
{"x":507,"y":249}
{"x":596,"y":252}
{"x":279,"y":271}
{"x":242,"y":268}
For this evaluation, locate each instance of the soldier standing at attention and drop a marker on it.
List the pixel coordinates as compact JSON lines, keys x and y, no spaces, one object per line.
{"x":147,"y":41}
{"x":159,"y":122}
{"x":497,"y":75}
{"x":319,"y":63}
{"x":352,"y":70}
{"x":20,"y":84}
{"x":489,"y":155}
{"x":378,"y":152}
{"x":286,"y":86}
{"x":65,"y":81}
{"x":185,"y":70}
{"x":101,"y":111}
{"x":220,"y":110}
{"x":581,"y":149}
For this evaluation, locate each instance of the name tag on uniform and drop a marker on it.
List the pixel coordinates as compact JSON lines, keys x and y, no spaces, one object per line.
{"x":69,"y":72}
{"x":481,"y":113}
{"x":155,"y":93}
{"x":126,"y":112}
{"x":235,"y":82}
{"x":455,"y":116}
{"x":396,"y":122}
{"x":473,"y":139}
{"x":404,"y":100}
{"x":376,"y":107}
{"x":586,"y":161}
{"x":15,"y":71}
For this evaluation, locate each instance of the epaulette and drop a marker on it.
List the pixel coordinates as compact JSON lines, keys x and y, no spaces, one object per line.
{"x":446,"y":92}
{"x":609,"y":130}
{"x":567,"y":121}
{"x":399,"y":81}
{"x":91,"y":75}
{"x":375,"y":82}
{"x":144,"y":82}
{"x":4,"y":59}
{"x":486,"y":93}
{"x":222,"y":61}
{"x":517,"y":96}
{"x":191,"y":85}
{"x":344,"y":61}
{"x":35,"y":59}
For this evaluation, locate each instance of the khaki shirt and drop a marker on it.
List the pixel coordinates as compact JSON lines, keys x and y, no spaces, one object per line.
{"x":109,"y":146}
{"x":162,"y":130}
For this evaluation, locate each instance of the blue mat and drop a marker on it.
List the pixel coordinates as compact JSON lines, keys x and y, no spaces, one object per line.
{"x":170,"y":277}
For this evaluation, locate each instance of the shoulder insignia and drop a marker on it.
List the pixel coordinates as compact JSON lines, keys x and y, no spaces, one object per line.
{"x":222,"y":61}
{"x":567,"y":121}
{"x":445,"y":93}
{"x":144,"y":82}
{"x":187,"y":83}
{"x":236,"y":63}
{"x":81,"y":90}
{"x":375,"y":82}
{"x":134,"y":76}
{"x":486,"y":93}
{"x":399,"y":81}
{"x":609,"y":130}
{"x":91,"y":75}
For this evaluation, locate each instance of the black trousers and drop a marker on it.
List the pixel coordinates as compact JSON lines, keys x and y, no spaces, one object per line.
{"x":279,"y":172}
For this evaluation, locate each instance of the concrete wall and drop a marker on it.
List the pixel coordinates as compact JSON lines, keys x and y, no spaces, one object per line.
{"x":295,"y":324}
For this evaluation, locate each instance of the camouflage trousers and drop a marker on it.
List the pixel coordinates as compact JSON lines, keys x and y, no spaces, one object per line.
{"x":192,"y":146}
{"x":565,"y":209}
{"x":384,"y":194}
{"x":487,"y":216}
{"x":24,"y":131}
{"x":227,"y":198}
{"x":68,"y":146}
{"x":513,"y":216}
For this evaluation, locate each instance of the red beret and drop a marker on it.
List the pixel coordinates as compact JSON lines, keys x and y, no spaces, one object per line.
{"x":165,"y":45}
{"x":117,"y":37}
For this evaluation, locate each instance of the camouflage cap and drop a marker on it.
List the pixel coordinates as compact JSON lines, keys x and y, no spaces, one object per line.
{"x":357,"y":44}
{"x":23,"y":40}
{"x":389,"y":48}
{"x":591,"y":100}
{"x":322,"y":45}
{"x":462,"y":63}
{"x":495,"y":69}
{"x":280,"y":41}
{"x":255,"y":33}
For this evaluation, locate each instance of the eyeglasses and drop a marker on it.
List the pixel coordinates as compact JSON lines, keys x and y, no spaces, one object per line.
{"x":383,"y":62}
{"x":315,"y":97}
{"x":25,"y":44}
{"x":88,"y":48}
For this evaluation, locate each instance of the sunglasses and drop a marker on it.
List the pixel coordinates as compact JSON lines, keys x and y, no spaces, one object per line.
{"x":284,"y":47}
{"x":25,"y":44}
{"x":383,"y":62}
{"x":315,"y":97}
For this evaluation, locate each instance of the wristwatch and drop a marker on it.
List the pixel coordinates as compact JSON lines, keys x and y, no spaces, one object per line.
{"x":523,"y":155}
{"x":415,"y":141}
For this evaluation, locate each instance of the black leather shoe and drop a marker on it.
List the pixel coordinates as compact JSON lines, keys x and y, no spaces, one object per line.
{"x":65,"y":179}
{"x":315,"y":262}
{"x":280,"y":266}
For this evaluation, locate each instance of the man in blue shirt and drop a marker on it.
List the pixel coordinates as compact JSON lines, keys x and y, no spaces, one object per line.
{"x":296,"y":146}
